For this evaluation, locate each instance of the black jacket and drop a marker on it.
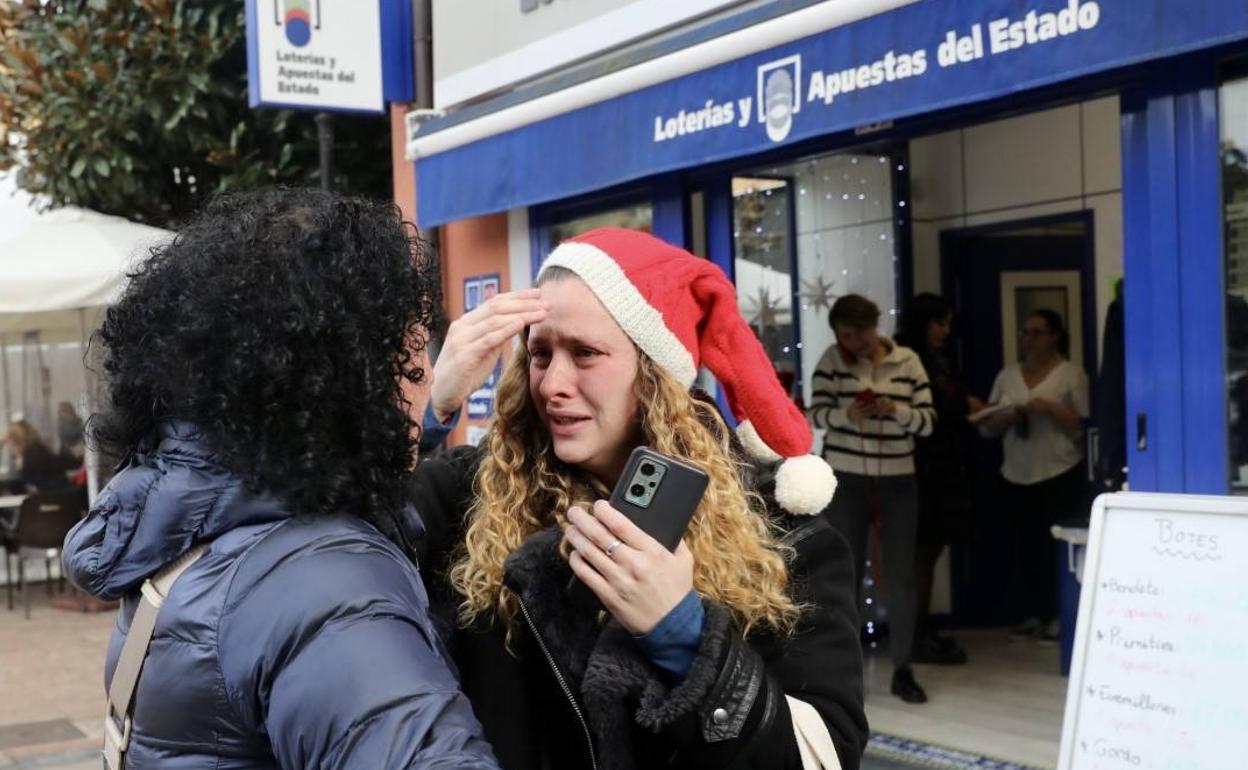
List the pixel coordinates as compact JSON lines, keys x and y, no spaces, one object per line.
{"x":941,"y":465}
{"x":580,"y":694}
{"x":43,"y":469}
{"x":1111,"y":403}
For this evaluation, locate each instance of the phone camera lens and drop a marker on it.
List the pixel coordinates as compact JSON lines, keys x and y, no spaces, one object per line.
{"x":636,"y":490}
{"x":647,"y":469}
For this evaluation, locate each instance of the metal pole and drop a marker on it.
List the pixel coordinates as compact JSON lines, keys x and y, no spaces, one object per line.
{"x":25,"y":390}
{"x":91,"y":457}
{"x":422,"y":57}
{"x":6,"y":456}
{"x":45,"y":387}
{"x":325,"y":138}
{"x":4,"y":371}
{"x":422,"y":51}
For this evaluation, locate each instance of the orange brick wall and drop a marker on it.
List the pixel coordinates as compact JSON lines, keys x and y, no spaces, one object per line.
{"x":403,"y":171}
{"x":471,"y":247}
{"x":467,"y":248}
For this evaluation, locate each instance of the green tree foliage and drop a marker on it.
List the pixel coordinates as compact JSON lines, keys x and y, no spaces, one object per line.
{"x":1234,"y":173}
{"x":139,"y":108}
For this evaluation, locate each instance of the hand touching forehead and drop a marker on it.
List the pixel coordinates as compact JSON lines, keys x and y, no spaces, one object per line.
{"x":577,"y":317}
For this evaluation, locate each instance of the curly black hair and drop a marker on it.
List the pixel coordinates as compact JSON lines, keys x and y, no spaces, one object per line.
{"x":280,"y":322}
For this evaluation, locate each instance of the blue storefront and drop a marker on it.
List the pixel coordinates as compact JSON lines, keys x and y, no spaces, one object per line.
{"x":680,"y":156}
{"x":914,"y":70}
{"x":1001,"y":152}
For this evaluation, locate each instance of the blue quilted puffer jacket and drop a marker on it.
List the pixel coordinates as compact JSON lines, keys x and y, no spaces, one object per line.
{"x":294,"y":642}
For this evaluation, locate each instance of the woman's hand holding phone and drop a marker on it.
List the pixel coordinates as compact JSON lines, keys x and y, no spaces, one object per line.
{"x":641,"y":581}
{"x":862,"y":407}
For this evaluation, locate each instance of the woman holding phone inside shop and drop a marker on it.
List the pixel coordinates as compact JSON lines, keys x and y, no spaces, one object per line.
{"x":733,"y":650}
{"x":872,"y":398}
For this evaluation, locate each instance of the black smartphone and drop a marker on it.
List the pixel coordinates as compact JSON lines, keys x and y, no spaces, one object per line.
{"x":657,"y":493}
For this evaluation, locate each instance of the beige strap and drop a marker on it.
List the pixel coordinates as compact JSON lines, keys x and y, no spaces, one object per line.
{"x":133,"y":653}
{"x":814,"y":743}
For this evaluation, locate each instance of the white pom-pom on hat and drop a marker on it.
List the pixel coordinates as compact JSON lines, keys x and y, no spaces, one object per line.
{"x":805,"y":485}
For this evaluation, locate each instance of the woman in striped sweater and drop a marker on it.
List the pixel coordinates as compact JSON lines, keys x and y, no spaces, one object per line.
{"x":871,"y":397}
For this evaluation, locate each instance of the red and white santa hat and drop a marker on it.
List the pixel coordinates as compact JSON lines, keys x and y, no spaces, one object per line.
{"x":681,"y":311}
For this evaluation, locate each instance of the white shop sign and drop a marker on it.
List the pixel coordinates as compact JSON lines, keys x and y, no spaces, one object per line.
{"x":315,"y":54}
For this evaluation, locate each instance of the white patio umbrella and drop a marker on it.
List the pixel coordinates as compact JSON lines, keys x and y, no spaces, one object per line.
{"x":59,"y":275}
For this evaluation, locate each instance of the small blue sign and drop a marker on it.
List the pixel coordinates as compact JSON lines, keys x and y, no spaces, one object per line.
{"x":478,"y":289}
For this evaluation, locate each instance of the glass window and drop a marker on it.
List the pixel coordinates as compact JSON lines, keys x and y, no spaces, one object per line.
{"x":805,"y":233}
{"x":639,"y":216}
{"x":1233,"y":115}
{"x":762,"y":223}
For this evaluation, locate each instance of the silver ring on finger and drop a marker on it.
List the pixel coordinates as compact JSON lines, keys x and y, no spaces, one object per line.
{"x":611,"y":548}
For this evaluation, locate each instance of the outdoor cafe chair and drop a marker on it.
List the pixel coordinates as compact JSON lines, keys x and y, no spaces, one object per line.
{"x":43,"y":522}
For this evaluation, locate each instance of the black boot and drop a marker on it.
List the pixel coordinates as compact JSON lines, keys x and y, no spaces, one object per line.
{"x":906,"y":688}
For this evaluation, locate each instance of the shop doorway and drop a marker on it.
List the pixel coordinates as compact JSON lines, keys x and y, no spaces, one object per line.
{"x":995,"y":275}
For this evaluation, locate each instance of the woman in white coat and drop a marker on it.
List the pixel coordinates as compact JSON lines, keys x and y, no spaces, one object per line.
{"x":1042,"y":437}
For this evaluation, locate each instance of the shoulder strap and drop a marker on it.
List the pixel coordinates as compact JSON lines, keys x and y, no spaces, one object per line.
{"x":814,"y":743}
{"x":133,"y":653}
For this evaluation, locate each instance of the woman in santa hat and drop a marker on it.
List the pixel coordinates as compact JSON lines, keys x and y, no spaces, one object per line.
{"x":739,"y":649}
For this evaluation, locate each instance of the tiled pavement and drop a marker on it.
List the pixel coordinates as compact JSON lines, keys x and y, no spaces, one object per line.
{"x":51,"y":684}
{"x":51,"y":688}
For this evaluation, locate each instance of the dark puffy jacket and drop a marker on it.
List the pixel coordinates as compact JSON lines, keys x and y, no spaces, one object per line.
{"x":578,"y":694}
{"x":294,"y":642}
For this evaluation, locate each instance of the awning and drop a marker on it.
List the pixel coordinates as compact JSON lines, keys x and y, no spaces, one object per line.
{"x":911,"y":60}
{"x":59,"y":275}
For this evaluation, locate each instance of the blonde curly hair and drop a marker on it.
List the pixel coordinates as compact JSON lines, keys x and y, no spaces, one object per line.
{"x":521,"y":488}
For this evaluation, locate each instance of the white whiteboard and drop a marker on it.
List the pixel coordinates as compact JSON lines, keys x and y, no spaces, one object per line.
{"x":1160,"y":671}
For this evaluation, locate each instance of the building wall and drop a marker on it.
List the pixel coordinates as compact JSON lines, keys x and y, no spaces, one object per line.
{"x":472,"y":247}
{"x":401,"y":169}
{"x":520,"y":249}
{"x":1050,"y":162}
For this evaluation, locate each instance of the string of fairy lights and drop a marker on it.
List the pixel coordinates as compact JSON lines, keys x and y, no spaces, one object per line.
{"x":814,"y":228}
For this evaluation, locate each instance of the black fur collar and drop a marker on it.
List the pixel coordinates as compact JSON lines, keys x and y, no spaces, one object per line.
{"x":618,"y":687}
{"x":538,"y":574}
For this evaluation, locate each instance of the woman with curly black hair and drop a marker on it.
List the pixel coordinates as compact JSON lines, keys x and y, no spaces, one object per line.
{"x":263,"y":369}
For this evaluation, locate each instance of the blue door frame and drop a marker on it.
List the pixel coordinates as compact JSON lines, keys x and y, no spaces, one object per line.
{"x":1174,"y":300}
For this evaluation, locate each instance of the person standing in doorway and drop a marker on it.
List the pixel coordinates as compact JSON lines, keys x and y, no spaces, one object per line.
{"x":1043,"y":467}
{"x":945,"y":509}
{"x":872,"y":398}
